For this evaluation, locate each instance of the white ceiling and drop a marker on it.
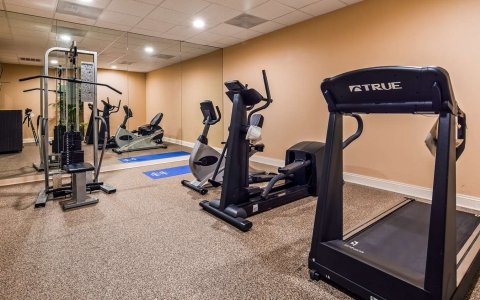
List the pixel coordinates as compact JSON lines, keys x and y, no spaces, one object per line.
{"x":165,"y":19}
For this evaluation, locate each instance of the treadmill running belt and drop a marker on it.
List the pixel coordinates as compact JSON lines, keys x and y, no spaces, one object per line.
{"x":398,"y":243}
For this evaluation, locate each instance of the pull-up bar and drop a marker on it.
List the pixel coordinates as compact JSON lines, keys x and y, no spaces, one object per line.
{"x":70,"y":80}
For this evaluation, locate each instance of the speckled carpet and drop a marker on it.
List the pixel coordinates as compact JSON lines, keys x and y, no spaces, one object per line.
{"x":151,"y":240}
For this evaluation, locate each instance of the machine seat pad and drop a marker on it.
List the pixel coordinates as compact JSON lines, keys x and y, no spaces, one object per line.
{"x":78,"y":167}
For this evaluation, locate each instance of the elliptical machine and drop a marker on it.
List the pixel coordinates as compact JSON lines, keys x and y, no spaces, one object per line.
{"x":239,"y":200}
{"x":148,"y":136}
{"x":108,"y":109}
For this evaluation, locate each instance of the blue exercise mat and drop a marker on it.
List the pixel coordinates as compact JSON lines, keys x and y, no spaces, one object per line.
{"x":148,"y":157}
{"x":168,"y":172}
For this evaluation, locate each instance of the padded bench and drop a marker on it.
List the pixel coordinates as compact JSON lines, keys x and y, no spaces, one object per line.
{"x":79,"y":185}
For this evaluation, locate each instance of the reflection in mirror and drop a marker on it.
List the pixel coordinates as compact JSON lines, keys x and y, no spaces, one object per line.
{"x":202,"y":73}
{"x":155,"y":75}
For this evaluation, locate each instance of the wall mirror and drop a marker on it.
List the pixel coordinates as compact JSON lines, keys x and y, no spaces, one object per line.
{"x":155,"y":75}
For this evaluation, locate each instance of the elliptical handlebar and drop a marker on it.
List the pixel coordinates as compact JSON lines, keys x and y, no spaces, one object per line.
{"x":268,"y":99}
{"x":110,"y":107}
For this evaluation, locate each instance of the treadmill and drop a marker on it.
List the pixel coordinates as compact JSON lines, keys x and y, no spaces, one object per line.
{"x":417,"y":249}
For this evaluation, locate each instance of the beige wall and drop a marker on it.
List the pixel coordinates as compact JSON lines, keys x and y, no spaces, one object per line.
{"x":370,"y":33}
{"x":164,"y":94}
{"x":133,"y":87}
{"x":13,"y":97}
{"x":177,"y":91}
{"x":130,"y":83}
{"x":201,"y":80}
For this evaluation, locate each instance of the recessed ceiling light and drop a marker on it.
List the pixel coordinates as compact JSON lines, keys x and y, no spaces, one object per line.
{"x":65,"y":38}
{"x":54,"y":61}
{"x":114,"y":67}
{"x":199,"y":23}
{"x":149,"y":49}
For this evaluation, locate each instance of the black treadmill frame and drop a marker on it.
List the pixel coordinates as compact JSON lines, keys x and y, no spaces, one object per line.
{"x":361,"y":278}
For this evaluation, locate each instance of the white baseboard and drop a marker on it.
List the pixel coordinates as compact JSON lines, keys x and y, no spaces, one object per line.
{"x":178,"y":142}
{"x":415,"y":191}
{"x":268,"y":161}
{"x":466,"y":201}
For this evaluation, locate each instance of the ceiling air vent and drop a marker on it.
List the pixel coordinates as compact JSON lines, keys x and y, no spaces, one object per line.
{"x":30,"y":59}
{"x":246,"y":21}
{"x":83,"y":11}
{"x":163,"y":56}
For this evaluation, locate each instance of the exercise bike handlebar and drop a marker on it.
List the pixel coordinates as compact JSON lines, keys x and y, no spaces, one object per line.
{"x":219,"y":113}
{"x":74,"y":80}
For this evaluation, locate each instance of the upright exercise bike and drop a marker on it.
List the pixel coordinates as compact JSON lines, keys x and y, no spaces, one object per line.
{"x":148,"y":136}
{"x":207,"y":164}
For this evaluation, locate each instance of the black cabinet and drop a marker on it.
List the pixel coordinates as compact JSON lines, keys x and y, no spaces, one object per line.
{"x":11,"y":137}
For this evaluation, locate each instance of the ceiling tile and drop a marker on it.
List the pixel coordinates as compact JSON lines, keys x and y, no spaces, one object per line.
{"x":323,"y":7}
{"x":226,"y":29}
{"x":215,"y":14}
{"x":293,"y":18}
{"x":153,"y":2}
{"x":242,"y":5}
{"x":208,"y":36}
{"x":189,"y":7}
{"x":170,"y":16}
{"x":183,"y":32}
{"x":271,"y":10}
{"x":70,"y":18}
{"x":268,"y":27}
{"x":350,"y":1}
{"x":154,"y":25}
{"x":118,"y":18}
{"x":106,"y":24}
{"x":229,"y":40}
{"x":130,"y":7}
{"x":297,"y":3}
{"x":30,"y":11}
{"x":247,"y":34}
{"x":37,"y":4}
{"x":22,"y":33}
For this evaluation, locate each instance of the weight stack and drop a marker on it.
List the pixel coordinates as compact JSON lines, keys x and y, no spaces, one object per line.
{"x":72,"y":148}
{"x":57,"y":143}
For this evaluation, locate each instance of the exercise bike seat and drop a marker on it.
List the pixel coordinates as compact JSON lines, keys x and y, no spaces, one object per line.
{"x":148,"y":129}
